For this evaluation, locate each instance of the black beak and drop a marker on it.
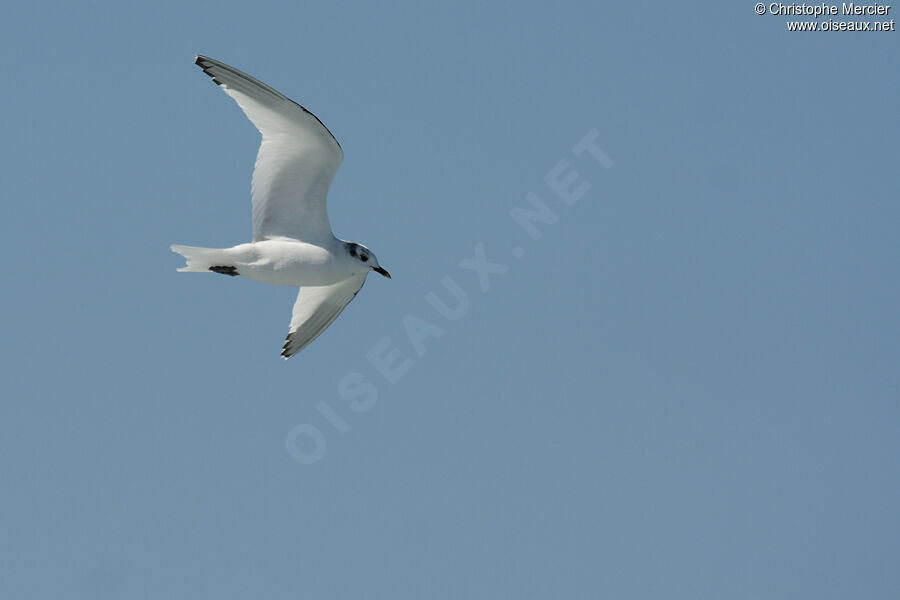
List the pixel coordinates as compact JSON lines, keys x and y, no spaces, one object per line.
{"x":381,"y":271}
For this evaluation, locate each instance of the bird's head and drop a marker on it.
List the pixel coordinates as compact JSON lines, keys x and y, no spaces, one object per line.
{"x":366,"y":258}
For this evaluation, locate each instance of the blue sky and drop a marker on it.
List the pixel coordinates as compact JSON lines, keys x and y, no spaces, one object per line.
{"x":687,"y":387}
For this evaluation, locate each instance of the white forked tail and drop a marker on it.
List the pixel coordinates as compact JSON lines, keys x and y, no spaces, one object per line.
{"x":201,"y":259}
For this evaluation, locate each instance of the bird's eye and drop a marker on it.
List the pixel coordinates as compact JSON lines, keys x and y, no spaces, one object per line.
{"x":364,"y":258}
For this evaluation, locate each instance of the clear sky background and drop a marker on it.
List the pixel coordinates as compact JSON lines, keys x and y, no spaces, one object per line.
{"x":686,"y":388}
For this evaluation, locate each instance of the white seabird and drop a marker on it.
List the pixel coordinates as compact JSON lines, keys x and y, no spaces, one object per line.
{"x":292,"y":240}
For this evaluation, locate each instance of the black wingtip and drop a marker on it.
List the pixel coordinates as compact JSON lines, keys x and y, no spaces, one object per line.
{"x":229,"y":270}
{"x":206,"y":64}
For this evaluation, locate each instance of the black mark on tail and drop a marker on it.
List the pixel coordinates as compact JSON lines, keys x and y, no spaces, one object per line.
{"x":224,"y":270}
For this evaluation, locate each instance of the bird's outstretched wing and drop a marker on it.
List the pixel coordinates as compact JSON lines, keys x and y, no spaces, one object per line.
{"x":315,"y":309}
{"x":297,"y":158}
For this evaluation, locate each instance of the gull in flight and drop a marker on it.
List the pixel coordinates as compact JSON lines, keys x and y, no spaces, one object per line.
{"x":292,"y":240}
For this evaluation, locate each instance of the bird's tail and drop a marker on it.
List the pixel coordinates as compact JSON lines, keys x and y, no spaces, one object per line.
{"x":201,"y":259}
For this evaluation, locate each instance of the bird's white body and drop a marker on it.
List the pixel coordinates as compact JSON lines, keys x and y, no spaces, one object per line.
{"x":278,"y":262}
{"x":292,"y":240}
